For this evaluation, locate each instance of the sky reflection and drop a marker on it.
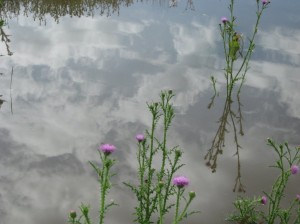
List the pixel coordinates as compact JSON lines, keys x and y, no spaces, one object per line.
{"x":86,"y":80}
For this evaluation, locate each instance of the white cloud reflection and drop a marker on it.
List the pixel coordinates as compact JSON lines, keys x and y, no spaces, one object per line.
{"x":283,"y":40}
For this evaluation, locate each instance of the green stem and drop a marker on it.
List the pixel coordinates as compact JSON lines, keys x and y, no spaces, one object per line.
{"x":177,"y":207}
{"x":161,"y":212}
{"x":250,"y":49}
{"x":184,"y":210}
{"x":149,"y":182}
{"x":142,"y":173}
{"x":103,"y":190}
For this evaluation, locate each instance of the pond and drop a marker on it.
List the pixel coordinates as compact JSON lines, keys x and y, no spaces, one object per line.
{"x":81,"y":74}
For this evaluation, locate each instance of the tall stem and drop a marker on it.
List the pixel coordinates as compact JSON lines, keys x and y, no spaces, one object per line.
{"x":103,"y":190}
{"x":177,"y":207}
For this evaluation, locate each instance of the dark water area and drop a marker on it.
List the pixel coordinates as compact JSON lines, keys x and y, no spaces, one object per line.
{"x":82,"y":75}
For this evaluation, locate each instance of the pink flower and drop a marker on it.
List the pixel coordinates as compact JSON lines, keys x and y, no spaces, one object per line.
{"x":294,"y":169}
{"x":265,"y":2}
{"x":298,"y":197}
{"x":140,"y":137}
{"x":181,"y":181}
{"x":107,"y":148}
{"x":224,"y":20}
{"x":264,"y":200}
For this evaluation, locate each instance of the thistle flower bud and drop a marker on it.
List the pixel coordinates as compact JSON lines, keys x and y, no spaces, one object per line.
{"x":224,"y":20}
{"x":265,"y":2}
{"x":264,"y":200}
{"x":161,"y":184}
{"x":85,"y":210}
{"x":108,"y":163}
{"x":178,"y":153}
{"x":140,"y":137}
{"x":294,"y":169}
{"x":72,"y":214}
{"x":192,"y":194}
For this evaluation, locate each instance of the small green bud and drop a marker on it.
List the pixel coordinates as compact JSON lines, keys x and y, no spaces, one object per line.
{"x":192,"y":194}
{"x":178,"y":153}
{"x":72,"y":214}
{"x":281,"y":146}
{"x":108,"y":163}
{"x":170,"y":91}
{"x":85,"y":210}
{"x":161,"y":184}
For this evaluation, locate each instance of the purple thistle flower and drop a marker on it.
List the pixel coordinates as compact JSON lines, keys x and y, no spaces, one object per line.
{"x":181,"y":181}
{"x":224,"y":20}
{"x":298,"y":197}
{"x":140,"y":137}
{"x":265,"y":2}
{"x":107,"y":148}
{"x":294,"y":169}
{"x":264,"y":200}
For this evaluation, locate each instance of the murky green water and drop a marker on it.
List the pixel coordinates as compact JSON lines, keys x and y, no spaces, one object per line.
{"x":82,"y":74}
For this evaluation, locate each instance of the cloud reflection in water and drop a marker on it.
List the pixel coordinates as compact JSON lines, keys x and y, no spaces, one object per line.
{"x":85,"y":81}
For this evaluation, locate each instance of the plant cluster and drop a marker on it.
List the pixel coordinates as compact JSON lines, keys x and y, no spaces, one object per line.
{"x":157,"y":186}
{"x":247,"y":211}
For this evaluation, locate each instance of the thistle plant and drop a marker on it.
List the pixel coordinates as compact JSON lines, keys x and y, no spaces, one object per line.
{"x":237,"y":58}
{"x":104,"y":176}
{"x":155,"y":186}
{"x":181,"y":182}
{"x":247,"y":209}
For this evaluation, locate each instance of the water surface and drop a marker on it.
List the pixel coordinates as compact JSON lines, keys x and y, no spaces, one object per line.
{"x":80,"y":81}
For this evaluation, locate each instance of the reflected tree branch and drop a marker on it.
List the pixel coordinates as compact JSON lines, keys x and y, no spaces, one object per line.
{"x":235,"y":73}
{"x":38,"y":9}
{"x":219,"y":139}
{"x":5,"y":39}
{"x":234,"y":120}
{"x":10,"y":94}
{"x":190,"y":5}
